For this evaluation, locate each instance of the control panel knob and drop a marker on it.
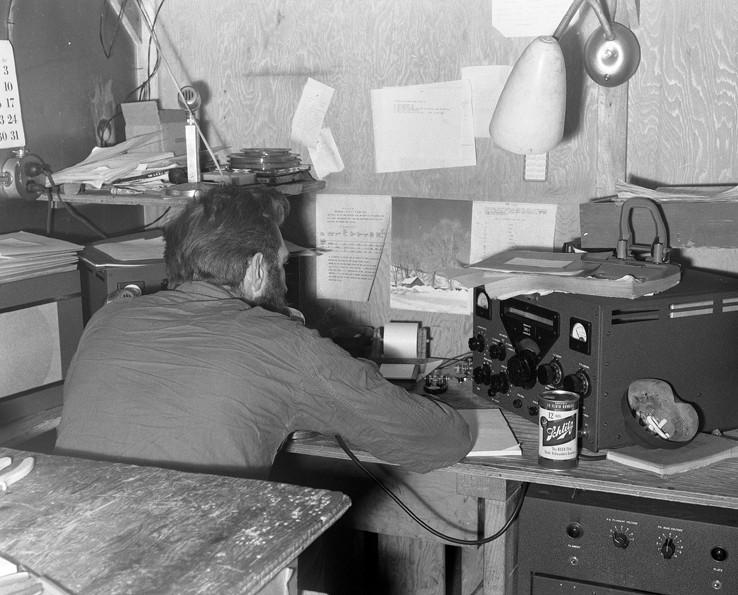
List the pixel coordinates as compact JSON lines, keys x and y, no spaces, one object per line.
{"x":482,"y":374}
{"x":620,"y":540}
{"x":719,"y":554}
{"x":497,"y":351}
{"x":550,"y":373}
{"x":578,"y":383}
{"x":498,"y":384}
{"x":477,"y":343}
{"x":522,"y":369}
{"x":668,"y":549}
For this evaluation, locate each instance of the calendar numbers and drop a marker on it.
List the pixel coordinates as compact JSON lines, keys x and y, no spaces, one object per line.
{"x":11,"y":121}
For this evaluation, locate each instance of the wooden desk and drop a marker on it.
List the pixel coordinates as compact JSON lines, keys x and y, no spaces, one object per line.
{"x":474,"y":498}
{"x":95,"y":527}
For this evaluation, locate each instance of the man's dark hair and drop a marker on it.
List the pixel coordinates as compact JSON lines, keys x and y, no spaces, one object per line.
{"x":215,"y":236}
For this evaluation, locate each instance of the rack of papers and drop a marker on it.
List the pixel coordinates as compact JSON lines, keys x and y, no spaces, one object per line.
{"x":24,"y":255}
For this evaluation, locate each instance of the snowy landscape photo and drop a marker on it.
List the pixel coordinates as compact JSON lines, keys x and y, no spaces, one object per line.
{"x":428,"y":236}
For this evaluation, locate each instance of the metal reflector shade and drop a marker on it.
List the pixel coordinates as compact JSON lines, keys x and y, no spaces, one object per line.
{"x":529,"y":117}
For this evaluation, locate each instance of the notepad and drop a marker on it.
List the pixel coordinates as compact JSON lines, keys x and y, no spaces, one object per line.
{"x":491,"y":433}
{"x":702,"y":451}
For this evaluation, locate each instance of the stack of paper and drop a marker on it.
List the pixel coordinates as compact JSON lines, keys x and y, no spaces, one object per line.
{"x":491,"y":433}
{"x":24,"y":255}
{"x":106,"y":165}
{"x":518,"y":272}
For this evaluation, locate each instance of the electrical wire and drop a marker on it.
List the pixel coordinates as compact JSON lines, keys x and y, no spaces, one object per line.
{"x":421,"y":522}
{"x":71,"y":210}
{"x":142,"y":89}
{"x":181,"y":96}
{"x":109,"y":50}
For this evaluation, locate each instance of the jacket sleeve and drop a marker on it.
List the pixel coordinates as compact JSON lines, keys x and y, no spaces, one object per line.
{"x":349,"y":397}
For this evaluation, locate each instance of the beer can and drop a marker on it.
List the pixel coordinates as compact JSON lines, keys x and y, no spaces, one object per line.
{"x":558,"y":412}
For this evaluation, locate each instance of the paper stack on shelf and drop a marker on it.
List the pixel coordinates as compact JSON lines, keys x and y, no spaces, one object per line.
{"x":24,"y":255}
{"x":106,"y":165}
{"x":517,"y":272}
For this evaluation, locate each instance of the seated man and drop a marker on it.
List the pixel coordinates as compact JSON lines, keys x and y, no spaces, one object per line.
{"x":214,"y":374}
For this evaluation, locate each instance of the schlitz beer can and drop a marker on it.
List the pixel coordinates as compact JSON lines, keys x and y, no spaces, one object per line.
{"x":557,"y":429}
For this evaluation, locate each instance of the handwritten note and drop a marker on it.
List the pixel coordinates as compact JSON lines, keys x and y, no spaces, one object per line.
{"x":308,"y":119}
{"x":325,"y":156}
{"x":352,"y":231}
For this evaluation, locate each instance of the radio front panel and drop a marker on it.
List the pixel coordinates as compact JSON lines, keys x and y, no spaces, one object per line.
{"x":595,"y":347}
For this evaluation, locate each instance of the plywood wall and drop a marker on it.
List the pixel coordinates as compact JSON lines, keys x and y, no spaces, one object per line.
{"x":252,"y":58}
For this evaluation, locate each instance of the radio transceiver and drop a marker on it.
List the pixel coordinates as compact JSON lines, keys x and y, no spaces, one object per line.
{"x":596,"y":346}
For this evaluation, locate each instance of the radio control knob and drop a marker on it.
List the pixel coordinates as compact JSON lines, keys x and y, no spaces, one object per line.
{"x":497,"y":351}
{"x":620,"y":540}
{"x":522,"y":369}
{"x":550,"y":373}
{"x":482,"y":374}
{"x":578,"y":383}
{"x":477,"y":343}
{"x":668,"y":549}
{"x":498,"y":384}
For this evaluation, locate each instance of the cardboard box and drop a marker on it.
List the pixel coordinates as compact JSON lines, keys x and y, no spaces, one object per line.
{"x":144,"y":117}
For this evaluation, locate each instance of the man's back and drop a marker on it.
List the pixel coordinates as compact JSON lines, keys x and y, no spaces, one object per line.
{"x":197,"y":380}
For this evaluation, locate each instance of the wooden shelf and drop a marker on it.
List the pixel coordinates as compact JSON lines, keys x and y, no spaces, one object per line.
{"x":157,"y":200}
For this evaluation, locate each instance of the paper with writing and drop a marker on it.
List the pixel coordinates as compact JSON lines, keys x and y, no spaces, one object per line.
{"x":423,"y":127}
{"x":310,"y":113}
{"x":351,"y":231}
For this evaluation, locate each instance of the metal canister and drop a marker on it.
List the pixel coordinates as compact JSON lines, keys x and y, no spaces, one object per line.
{"x":558,"y":412}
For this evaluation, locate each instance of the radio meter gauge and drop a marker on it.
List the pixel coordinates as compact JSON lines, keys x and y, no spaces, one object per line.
{"x":578,"y":332}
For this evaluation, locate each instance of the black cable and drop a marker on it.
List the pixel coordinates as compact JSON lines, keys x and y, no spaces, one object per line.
{"x":72,"y":211}
{"x":419,"y":521}
{"x":109,"y":50}
{"x":145,"y":227}
{"x":457,"y":358}
{"x":141,"y":89}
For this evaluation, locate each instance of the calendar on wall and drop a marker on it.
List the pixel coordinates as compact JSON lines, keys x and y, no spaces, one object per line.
{"x":11,"y":121}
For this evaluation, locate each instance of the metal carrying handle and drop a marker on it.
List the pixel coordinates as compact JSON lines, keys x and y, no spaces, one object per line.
{"x":659,"y":248}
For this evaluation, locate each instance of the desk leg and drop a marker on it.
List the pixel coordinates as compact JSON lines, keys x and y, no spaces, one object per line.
{"x":411,"y":566}
{"x":500,"y":555}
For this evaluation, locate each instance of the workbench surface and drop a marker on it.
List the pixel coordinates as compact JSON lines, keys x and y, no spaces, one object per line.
{"x":105,"y":528}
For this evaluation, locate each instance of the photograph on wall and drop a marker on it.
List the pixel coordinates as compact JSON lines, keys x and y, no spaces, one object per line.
{"x":428,"y":236}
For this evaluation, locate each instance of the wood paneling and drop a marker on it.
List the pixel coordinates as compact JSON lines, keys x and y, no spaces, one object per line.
{"x":683,"y":104}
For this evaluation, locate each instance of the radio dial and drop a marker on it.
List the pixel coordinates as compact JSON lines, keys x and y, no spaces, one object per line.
{"x":668,"y":548}
{"x":477,"y":343}
{"x":497,"y":351}
{"x":482,"y":374}
{"x":620,"y":539}
{"x":522,"y":369}
{"x":578,"y":383}
{"x":498,"y":384}
{"x":550,"y":373}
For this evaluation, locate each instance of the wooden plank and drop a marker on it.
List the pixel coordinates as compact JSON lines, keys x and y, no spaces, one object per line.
{"x":105,"y":528}
{"x":411,"y":566}
{"x":30,"y":426}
